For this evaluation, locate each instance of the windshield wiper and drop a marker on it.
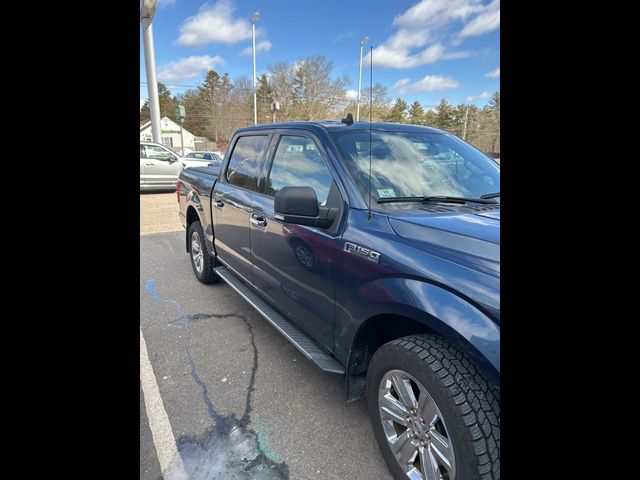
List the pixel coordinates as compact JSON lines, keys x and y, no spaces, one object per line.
{"x":490,"y":195}
{"x":443,"y":199}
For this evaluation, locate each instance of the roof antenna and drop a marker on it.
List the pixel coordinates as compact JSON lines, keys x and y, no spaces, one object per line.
{"x":370,"y":110}
{"x":348,"y":120}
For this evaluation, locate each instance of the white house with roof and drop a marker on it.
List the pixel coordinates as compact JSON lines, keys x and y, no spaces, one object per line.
{"x":170,"y":132}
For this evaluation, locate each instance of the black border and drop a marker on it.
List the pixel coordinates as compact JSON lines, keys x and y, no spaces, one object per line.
{"x":76,"y":331}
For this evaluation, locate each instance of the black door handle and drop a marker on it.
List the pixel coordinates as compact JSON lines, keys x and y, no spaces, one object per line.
{"x":217,"y":203}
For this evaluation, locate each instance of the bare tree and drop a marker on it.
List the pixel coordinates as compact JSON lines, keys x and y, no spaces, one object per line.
{"x":315,"y":94}
{"x":380,"y":102}
{"x":281,"y":77}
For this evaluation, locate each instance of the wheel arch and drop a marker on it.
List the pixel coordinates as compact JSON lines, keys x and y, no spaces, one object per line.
{"x":192,"y":216}
{"x":446,"y":315}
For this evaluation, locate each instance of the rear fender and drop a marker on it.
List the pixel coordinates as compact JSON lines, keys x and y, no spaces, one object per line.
{"x":195,"y":201}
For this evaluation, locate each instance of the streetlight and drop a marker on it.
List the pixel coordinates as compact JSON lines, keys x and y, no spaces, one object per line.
{"x":363,"y":42}
{"x":147,"y":11}
{"x":254,"y":19}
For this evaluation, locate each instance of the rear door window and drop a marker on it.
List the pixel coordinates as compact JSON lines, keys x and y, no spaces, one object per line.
{"x":244,"y":163}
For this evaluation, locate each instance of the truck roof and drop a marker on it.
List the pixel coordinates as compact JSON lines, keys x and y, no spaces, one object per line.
{"x":333,"y":125}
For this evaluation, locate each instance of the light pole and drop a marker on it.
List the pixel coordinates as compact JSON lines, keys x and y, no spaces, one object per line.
{"x":363,"y":42}
{"x":147,"y":11}
{"x":466,"y":116}
{"x":254,"y":19}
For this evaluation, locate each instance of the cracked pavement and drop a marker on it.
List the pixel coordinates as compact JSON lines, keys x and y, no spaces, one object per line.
{"x":242,"y":401}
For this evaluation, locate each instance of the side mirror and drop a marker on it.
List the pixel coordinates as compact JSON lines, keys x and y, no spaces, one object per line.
{"x":299,"y":205}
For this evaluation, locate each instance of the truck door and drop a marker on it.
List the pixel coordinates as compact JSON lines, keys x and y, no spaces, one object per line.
{"x":294,"y":265}
{"x":232,"y":201}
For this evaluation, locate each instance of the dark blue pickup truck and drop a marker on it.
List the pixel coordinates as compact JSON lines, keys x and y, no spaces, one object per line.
{"x":375,"y":250}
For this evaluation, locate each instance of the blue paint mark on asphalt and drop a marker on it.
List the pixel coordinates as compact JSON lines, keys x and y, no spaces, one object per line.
{"x":231,"y":449}
{"x":151,"y":290}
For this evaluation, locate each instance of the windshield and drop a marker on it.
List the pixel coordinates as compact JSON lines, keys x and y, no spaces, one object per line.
{"x":416,"y":164}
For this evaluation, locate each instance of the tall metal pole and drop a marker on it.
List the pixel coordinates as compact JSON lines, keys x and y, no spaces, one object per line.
{"x":255,"y":18}
{"x":466,"y":116}
{"x":152,"y":83}
{"x":359,"y":85}
{"x":362,"y":44}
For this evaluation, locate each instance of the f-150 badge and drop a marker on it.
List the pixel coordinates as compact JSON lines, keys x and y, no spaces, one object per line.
{"x":362,"y":251}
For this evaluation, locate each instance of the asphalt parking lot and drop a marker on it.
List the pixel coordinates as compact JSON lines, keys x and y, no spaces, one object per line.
{"x":223,"y":394}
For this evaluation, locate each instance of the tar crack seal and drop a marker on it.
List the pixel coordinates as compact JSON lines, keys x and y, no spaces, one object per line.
{"x":230,"y":449}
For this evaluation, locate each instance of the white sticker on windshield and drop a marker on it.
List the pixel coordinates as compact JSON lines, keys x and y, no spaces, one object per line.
{"x":386,"y":192}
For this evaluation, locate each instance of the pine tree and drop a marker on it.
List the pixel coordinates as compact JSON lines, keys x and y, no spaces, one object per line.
{"x":300,"y":87}
{"x":416,"y":114}
{"x":398,"y":112}
{"x":430,"y":118}
{"x":445,"y":117}
{"x":264,"y":98}
{"x":167,"y":105}
{"x":209,"y":93}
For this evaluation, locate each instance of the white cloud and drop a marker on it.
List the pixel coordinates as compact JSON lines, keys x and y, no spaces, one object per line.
{"x":487,"y":21}
{"x":429,"y":83}
{"x":343,"y":36}
{"x":494,"y":74}
{"x":263,"y":46}
{"x":399,"y":57}
{"x":423,"y":28}
{"x":436,"y":13}
{"x":484,"y":96}
{"x":188,"y":67}
{"x":352,"y":94}
{"x":214,"y":24}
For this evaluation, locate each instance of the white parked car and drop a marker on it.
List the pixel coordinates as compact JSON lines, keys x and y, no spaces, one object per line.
{"x":201,"y":155}
{"x":159,"y":166}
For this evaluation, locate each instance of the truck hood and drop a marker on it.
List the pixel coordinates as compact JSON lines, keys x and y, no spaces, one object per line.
{"x":460,"y":232}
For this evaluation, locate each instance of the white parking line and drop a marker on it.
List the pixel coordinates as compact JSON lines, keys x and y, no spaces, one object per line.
{"x":163,"y":439}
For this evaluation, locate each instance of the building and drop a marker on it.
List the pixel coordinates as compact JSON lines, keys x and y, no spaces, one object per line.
{"x":170,"y":132}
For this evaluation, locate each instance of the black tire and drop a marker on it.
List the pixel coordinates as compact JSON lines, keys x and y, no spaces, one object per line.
{"x":207,"y":275}
{"x":470,"y":408}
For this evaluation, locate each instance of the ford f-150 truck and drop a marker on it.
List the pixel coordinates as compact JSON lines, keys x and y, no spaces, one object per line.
{"x":375,"y":250}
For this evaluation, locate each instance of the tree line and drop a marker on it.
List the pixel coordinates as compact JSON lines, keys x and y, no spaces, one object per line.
{"x":305,"y":90}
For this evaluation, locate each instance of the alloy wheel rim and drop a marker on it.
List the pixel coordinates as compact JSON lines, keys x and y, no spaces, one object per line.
{"x":196,"y":252}
{"x":414,"y":428}
{"x":304,"y":256}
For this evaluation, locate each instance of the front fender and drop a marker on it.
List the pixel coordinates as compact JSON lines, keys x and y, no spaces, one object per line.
{"x":440,"y":309}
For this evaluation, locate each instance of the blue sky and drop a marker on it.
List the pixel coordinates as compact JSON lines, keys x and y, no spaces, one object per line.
{"x":422,"y":49}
